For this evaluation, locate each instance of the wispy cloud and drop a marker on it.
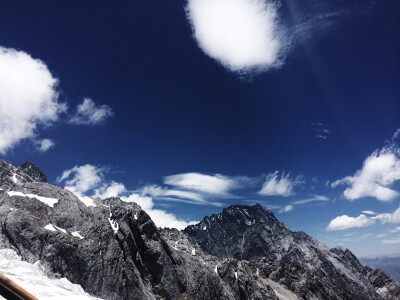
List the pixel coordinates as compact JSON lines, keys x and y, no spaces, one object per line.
{"x":391,"y":241}
{"x":320,"y":130}
{"x":314,"y":198}
{"x":376,"y":177}
{"x":28,"y":98}
{"x":88,"y":113}
{"x":211,"y":184}
{"x":282,"y":185}
{"x":286,"y":209}
{"x":44,"y":145}
{"x":242,"y":35}
{"x":368,"y":212}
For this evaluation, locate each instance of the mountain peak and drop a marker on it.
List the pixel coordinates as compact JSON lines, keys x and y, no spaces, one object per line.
{"x":33,"y":171}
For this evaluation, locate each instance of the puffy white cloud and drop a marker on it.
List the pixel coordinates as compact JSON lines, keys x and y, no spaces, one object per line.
{"x":312,"y":199}
{"x":389,"y":217}
{"x":88,"y":113}
{"x":210,"y":184}
{"x":28,"y":97}
{"x":45,"y":145}
{"x":107,"y":190}
{"x":286,"y":209}
{"x":81,"y":179}
{"x":276,"y":185}
{"x":380,"y":170}
{"x":240,"y":34}
{"x":345,"y":222}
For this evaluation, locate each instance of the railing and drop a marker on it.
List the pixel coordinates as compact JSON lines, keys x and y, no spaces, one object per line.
{"x":10,"y":290}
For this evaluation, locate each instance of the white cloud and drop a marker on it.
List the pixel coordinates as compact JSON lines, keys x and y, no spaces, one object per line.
{"x":82,"y":179}
{"x":211,"y":184}
{"x":88,"y":113}
{"x":107,"y":190}
{"x":286,"y":209}
{"x":240,"y":34}
{"x":159,"y":217}
{"x":368,"y":212}
{"x":175,"y":195}
{"x":380,"y":170}
{"x":345,"y":222}
{"x":276,"y":185}
{"x":88,"y":180}
{"x":28,"y":97}
{"x":45,"y":145}
{"x":389,"y":217}
{"x":312,"y":199}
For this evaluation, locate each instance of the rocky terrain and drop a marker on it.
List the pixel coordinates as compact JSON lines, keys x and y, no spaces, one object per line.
{"x":113,"y":250}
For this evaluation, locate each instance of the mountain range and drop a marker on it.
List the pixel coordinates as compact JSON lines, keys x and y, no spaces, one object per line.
{"x":113,"y":250}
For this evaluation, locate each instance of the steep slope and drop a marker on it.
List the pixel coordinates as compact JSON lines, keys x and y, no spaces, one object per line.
{"x":252,"y":233}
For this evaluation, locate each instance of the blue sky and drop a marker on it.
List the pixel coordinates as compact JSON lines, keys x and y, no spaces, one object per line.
{"x":189,"y":106}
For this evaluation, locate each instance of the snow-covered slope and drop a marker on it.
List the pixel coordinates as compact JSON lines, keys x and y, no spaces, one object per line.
{"x":32,"y":278}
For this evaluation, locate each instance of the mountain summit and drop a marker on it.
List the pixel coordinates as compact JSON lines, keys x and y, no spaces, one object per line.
{"x":113,"y":249}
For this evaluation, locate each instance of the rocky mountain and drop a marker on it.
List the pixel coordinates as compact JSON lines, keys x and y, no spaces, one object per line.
{"x":113,"y":250}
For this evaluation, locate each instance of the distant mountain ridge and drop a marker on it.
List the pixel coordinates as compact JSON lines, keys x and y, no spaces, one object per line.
{"x":391,"y":264}
{"x":113,"y":250}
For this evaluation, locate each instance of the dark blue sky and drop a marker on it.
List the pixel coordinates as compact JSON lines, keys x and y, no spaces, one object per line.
{"x":177,"y":110}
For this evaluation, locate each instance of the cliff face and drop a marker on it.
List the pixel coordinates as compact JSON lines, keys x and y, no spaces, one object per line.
{"x":114,"y":250}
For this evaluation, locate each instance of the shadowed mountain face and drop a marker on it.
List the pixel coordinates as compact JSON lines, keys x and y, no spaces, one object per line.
{"x":114,"y":250}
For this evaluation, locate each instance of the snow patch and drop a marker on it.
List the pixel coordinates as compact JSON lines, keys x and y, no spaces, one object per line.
{"x":50,"y":227}
{"x":32,"y":278}
{"x":77,"y":234}
{"x":216,"y":269}
{"x":236,"y":275}
{"x":205,"y":227}
{"x":135,"y":216}
{"x":48,"y":201}
{"x":113,"y":223}
{"x":14,"y":178}
{"x":87,"y":201}
{"x":193,"y":251}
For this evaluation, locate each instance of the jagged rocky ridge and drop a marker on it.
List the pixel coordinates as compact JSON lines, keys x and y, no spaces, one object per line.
{"x":114,"y":250}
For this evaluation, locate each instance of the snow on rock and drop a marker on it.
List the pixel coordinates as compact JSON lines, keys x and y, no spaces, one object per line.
{"x":77,"y":234}
{"x":50,"y":227}
{"x":48,"y":201}
{"x":236,"y":275}
{"x":216,"y":269}
{"x":193,"y":251}
{"x":87,"y":201}
{"x":31,"y":277}
{"x":14,"y":178}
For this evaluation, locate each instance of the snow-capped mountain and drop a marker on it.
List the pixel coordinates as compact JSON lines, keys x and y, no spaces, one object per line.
{"x":113,"y":250}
